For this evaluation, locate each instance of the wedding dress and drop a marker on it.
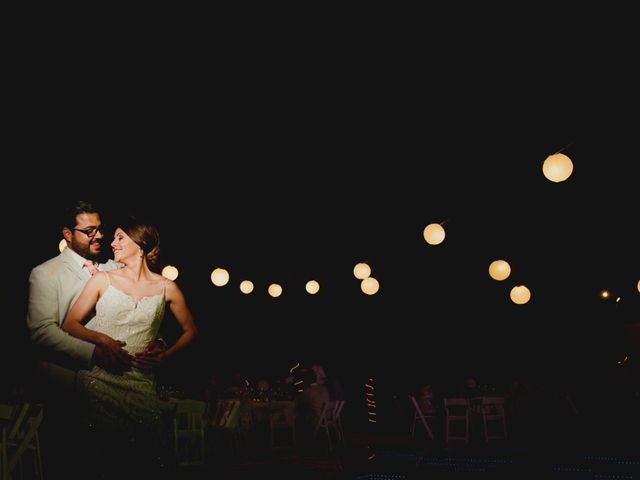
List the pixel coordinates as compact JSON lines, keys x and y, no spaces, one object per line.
{"x":125,"y":406}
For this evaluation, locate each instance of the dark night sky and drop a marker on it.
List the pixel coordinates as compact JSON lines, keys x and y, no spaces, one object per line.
{"x":282,"y":177}
{"x":307,"y":212}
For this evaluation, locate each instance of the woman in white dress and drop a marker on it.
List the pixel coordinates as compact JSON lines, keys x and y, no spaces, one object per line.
{"x":130,"y":306}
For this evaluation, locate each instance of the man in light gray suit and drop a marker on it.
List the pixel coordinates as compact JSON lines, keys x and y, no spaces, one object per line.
{"x":53,"y":287}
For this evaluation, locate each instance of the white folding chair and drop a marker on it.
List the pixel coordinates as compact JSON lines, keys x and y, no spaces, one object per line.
{"x":494,"y":421}
{"x":26,"y":440}
{"x":188,"y":432}
{"x":417,"y":414}
{"x":456,"y":419}
{"x":226,"y":425}
{"x":331,"y":421}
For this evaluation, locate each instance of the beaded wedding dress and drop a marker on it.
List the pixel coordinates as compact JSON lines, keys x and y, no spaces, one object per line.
{"x":125,"y":407}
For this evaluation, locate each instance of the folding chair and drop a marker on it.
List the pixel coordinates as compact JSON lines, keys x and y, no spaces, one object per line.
{"x":227,"y":423}
{"x":188,"y":432}
{"x":27,"y":439}
{"x":331,"y":421}
{"x":456,"y":419}
{"x":494,"y":421}
{"x":417,"y":414}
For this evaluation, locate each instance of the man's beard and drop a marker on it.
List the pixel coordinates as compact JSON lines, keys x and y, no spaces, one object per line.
{"x":85,"y":251}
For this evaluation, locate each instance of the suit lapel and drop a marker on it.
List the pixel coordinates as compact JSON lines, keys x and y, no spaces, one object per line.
{"x":68,"y":260}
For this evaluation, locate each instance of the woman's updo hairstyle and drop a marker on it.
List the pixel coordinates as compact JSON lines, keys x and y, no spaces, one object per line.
{"x":146,"y":236}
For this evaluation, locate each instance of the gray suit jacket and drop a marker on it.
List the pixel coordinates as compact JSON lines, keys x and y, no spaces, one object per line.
{"x":53,"y":287}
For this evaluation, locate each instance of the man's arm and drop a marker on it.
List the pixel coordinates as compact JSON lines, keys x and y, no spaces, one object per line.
{"x":43,"y":320}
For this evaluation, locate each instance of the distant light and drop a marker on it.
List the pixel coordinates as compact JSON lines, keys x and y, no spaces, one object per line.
{"x":219,"y":277}
{"x":246,"y":286}
{"x":605,"y":294}
{"x":63,"y":244}
{"x":170,"y":272}
{"x":361,"y":270}
{"x":639,"y":285}
{"x":434,"y":234}
{"x":499,"y":270}
{"x":557,"y":167}
{"x":520,"y":294}
{"x":370,"y":286}
{"x":312,"y":287}
{"x":618,"y":299}
{"x":275,"y":290}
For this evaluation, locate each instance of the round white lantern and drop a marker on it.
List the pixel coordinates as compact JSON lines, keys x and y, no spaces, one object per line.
{"x":557,"y":167}
{"x":275,"y":290}
{"x":62,"y":245}
{"x":370,"y":286}
{"x":434,"y":234}
{"x":520,"y":294}
{"x":170,"y":272}
{"x":246,"y":286}
{"x":312,"y":287}
{"x":361,"y":271}
{"x":219,"y":277}
{"x":499,"y":270}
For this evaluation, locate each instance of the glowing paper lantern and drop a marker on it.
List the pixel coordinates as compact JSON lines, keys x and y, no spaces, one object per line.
{"x":499,"y":270}
{"x":639,"y":285}
{"x":275,"y":290}
{"x":246,"y":286}
{"x":557,"y":167}
{"x":520,"y":294}
{"x":170,"y":272}
{"x":370,"y":286}
{"x":312,"y":287}
{"x":361,"y":271}
{"x":434,"y":234}
{"x":219,"y":277}
{"x":62,"y":245}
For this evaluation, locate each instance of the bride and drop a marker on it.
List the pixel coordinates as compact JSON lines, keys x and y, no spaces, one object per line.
{"x":129,"y":308}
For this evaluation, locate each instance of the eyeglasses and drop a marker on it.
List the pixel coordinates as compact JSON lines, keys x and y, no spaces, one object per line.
{"x":90,"y":231}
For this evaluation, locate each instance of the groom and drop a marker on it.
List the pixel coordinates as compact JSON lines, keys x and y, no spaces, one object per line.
{"x":53,"y":287}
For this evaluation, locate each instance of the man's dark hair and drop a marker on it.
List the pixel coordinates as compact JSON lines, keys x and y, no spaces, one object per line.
{"x":80,"y":206}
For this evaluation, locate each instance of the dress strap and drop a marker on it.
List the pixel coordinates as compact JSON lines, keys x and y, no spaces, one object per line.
{"x":108,"y":277}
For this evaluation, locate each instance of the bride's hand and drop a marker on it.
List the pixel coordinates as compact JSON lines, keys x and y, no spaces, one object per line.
{"x":149,"y":359}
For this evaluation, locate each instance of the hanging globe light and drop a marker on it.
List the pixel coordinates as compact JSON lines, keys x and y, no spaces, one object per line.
{"x":62,"y":245}
{"x":170,"y":272}
{"x":275,"y":290}
{"x":312,"y":287}
{"x":361,"y":271}
{"x":434,"y":234}
{"x":557,"y":167}
{"x":639,"y":285}
{"x":499,"y":270}
{"x":520,"y":294}
{"x":370,"y":286}
{"x":246,"y":286}
{"x":219,"y":277}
